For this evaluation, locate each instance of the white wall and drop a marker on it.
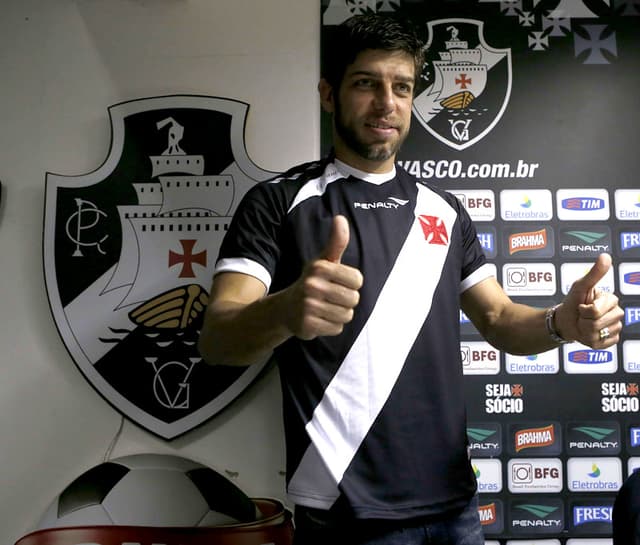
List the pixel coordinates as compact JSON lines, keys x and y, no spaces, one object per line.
{"x":62,"y":64}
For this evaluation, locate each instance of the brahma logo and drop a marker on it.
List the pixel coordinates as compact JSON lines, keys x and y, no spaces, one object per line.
{"x":467,"y":87}
{"x":583,"y":204}
{"x":619,"y":397}
{"x":538,"y":243}
{"x":535,"y":438}
{"x":488,"y":514}
{"x":434,"y":229}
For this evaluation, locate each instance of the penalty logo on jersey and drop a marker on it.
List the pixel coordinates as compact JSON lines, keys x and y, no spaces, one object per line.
{"x":468,"y":83}
{"x":129,"y":251}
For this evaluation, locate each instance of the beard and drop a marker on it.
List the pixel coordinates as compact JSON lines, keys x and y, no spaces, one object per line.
{"x":370,"y":151}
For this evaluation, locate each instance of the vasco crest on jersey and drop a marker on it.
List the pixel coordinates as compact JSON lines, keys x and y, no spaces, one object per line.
{"x":129,"y":251}
{"x":468,"y":83}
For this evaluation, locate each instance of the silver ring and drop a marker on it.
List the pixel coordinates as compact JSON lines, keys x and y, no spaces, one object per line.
{"x":604,"y":333}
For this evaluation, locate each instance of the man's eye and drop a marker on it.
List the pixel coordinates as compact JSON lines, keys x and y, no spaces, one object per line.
{"x":364,"y":83}
{"x":403,"y":88}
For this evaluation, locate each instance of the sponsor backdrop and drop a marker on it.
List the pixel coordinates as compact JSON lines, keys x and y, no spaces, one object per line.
{"x":528,"y":112}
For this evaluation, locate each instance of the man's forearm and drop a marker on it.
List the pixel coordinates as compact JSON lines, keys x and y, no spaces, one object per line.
{"x":238,"y":334}
{"x":521,"y":330}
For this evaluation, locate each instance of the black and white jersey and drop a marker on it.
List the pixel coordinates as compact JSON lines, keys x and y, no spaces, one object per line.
{"x":375,"y":416}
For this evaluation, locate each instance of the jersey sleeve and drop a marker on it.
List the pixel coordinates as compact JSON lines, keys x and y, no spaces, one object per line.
{"x":250,"y":245}
{"x":474,"y":267}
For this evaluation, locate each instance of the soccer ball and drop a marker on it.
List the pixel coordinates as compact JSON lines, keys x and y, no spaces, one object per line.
{"x":150,"y":490}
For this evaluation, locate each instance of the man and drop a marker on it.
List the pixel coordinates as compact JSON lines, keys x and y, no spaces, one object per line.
{"x":352,"y":273}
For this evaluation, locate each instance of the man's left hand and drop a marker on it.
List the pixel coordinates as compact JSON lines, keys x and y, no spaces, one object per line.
{"x":590,"y":315}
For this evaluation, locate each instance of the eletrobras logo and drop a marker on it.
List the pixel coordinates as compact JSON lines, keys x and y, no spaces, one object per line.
{"x":594,"y":474}
{"x":570,"y":272}
{"x":536,"y":516}
{"x":546,"y":363}
{"x":526,"y":205}
{"x":631,"y":356}
{"x":595,"y":438}
{"x":627,"y":202}
{"x":488,"y":474}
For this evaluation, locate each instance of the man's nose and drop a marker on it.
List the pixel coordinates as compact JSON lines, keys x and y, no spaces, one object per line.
{"x":385,"y":99}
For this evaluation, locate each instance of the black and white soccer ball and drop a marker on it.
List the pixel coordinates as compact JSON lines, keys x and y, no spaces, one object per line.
{"x":150,"y":490}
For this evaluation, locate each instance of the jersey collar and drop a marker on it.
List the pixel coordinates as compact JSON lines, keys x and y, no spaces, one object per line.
{"x":370,"y":177}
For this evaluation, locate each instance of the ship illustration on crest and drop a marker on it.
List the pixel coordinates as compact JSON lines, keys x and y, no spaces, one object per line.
{"x":164,"y":232}
{"x":460,"y":76}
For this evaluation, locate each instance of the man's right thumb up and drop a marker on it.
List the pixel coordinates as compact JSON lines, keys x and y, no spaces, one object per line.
{"x":338,"y":240}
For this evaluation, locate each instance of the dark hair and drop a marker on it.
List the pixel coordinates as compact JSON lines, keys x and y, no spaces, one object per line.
{"x":368,"y":31}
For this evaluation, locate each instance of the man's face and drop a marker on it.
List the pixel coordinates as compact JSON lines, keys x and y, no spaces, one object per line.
{"x":372,"y":109}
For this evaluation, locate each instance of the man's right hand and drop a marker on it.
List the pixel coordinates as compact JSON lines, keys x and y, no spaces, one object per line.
{"x":323,"y":298}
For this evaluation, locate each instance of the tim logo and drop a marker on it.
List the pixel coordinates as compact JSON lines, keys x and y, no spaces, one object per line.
{"x":587,"y":357}
{"x":632,"y":278}
{"x":468,"y":83}
{"x":434,"y":229}
{"x":583,"y":203}
{"x":129,"y":253}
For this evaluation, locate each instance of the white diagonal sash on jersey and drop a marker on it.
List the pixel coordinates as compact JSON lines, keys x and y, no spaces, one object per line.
{"x":358,"y":391}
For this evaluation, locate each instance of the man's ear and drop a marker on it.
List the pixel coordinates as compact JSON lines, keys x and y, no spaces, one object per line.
{"x":326,"y":95}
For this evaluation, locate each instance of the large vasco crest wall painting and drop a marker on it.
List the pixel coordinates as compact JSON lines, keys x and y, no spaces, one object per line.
{"x":129,"y":251}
